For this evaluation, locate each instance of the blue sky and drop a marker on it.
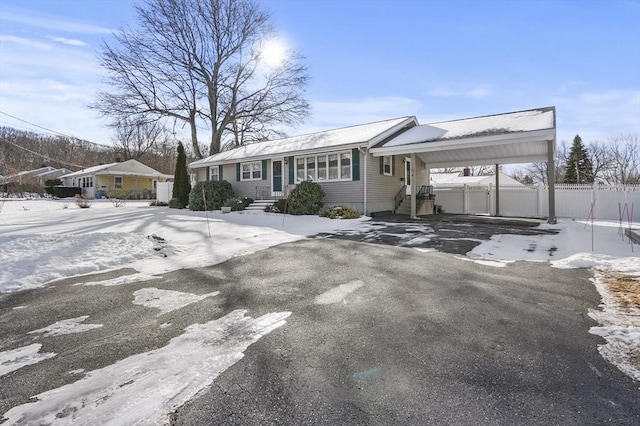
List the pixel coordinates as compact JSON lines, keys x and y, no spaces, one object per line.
{"x":368,"y":60}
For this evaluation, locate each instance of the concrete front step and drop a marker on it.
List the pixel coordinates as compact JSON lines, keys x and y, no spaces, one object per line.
{"x":260,"y":204}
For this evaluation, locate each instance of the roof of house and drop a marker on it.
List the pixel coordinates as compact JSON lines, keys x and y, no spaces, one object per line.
{"x":34,"y":172}
{"x":490,"y":125}
{"x":125,"y":168}
{"x":456,"y":179}
{"x":353,"y":135}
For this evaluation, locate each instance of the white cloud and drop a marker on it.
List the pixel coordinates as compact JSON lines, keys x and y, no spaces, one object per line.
{"x":69,"y":41}
{"x":598,"y":115}
{"x":51,"y":84}
{"x":24,"y":17}
{"x":23,"y":42}
{"x":447,"y":91}
{"x":341,"y":113}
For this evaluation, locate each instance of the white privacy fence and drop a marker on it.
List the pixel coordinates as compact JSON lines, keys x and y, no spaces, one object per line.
{"x":574,"y":201}
{"x":164,"y":191}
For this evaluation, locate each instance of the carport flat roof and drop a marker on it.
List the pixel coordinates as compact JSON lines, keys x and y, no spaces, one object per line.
{"x":514,"y":137}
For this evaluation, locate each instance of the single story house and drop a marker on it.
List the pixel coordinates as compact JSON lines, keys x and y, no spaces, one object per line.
{"x":138,"y":179}
{"x":378,"y":167}
{"x":459,"y":179}
{"x":40,"y":175}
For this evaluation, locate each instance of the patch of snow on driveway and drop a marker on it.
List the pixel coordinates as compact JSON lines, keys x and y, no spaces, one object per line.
{"x":145,"y":388}
{"x":68,"y":326}
{"x":338,"y":294}
{"x":167,"y":300}
{"x":17,"y":358}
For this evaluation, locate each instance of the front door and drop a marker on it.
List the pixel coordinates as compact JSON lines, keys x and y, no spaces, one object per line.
{"x":276,"y":177}
{"x":407,"y":174}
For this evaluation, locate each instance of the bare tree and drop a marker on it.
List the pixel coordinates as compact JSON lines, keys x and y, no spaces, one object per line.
{"x":538,"y":171}
{"x":201,"y":62}
{"x":601,"y":159}
{"x":624,"y":168}
{"x":135,"y":139}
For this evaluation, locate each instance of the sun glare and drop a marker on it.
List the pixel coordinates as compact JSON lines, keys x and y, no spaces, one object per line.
{"x":273,"y":52}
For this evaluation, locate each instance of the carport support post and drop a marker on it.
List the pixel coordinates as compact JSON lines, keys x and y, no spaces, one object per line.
{"x":414,"y":186}
{"x":551,"y":178}
{"x":497,"y":190}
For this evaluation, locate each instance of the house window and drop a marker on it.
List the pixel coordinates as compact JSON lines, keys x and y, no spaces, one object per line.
{"x":324,"y":167}
{"x":117,"y":182}
{"x":251,"y":171}
{"x":386,"y":165}
{"x":215,"y":173}
{"x":300,"y":172}
{"x":86,"y":182}
{"x":333,"y":167}
{"x":311,"y":168}
{"x":345,"y":165}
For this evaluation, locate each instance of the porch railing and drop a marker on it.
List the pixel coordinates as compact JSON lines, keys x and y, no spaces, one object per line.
{"x":425,"y":192}
{"x":265,"y":193}
{"x":397,"y":200}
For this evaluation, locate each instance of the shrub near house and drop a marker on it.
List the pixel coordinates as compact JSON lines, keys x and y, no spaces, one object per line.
{"x":215,"y":195}
{"x":306,"y":198}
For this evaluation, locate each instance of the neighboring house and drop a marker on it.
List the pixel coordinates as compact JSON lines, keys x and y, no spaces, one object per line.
{"x":379,"y":166}
{"x":40,"y":175}
{"x":132,"y":176}
{"x":459,"y":179}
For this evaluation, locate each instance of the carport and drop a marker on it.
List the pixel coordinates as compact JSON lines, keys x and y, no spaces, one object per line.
{"x":517,"y":137}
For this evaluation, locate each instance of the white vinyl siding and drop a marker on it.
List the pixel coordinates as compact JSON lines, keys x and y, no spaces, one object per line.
{"x":382,"y":188}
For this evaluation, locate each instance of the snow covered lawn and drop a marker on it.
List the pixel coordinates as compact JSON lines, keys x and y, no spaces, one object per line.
{"x":43,"y":241}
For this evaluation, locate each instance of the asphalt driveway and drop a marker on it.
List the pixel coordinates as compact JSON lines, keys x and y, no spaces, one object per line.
{"x":377,"y":335}
{"x":448,"y":233}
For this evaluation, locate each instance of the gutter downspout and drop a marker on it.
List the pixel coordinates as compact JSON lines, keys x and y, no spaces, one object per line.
{"x":365,"y":180}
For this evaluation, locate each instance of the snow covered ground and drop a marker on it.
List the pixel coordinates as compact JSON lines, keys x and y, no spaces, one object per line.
{"x":44,"y":240}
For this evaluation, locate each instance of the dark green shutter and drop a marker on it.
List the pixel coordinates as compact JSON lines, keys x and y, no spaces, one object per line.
{"x":355,"y":163}
{"x":238,"y":172}
{"x":208,"y":173}
{"x":292,"y":172}
{"x":382,"y":165}
{"x":220,"y":178}
{"x":264,"y":169}
{"x":393,"y":165}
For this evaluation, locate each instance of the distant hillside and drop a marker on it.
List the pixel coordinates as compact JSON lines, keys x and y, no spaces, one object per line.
{"x":22,"y":150}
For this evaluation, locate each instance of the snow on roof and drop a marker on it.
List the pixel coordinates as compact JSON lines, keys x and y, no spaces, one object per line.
{"x":34,"y":171}
{"x":443,"y":177}
{"x":456,"y":179}
{"x":89,"y":170}
{"x":519,"y":121}
{"x":312,"y":141}
{"x":104,"y":169}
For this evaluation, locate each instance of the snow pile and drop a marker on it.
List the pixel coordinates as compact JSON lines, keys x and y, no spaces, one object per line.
{"x":620,"y":327}
{"x":570,"y":248}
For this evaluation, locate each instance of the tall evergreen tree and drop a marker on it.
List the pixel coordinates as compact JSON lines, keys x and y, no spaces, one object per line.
{"x":579,"y":165}
{"x":181,"y":184}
